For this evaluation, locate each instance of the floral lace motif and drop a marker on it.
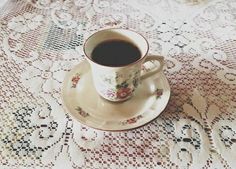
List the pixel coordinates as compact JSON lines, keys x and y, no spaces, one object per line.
{"x":41,"y":40}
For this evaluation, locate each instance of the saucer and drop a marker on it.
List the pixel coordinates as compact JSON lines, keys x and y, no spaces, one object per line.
{"x":81,"y":101}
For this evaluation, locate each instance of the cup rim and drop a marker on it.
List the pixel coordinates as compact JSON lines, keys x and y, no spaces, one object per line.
{"x":141,"y":58}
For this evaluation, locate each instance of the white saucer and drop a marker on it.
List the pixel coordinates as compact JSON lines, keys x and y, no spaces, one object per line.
{"x":81,"y":100}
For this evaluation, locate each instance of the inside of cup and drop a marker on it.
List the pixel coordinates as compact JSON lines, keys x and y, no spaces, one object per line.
{"x":116,"y":34}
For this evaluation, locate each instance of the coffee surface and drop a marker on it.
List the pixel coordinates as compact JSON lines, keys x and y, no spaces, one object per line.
{"x":115,"y":53}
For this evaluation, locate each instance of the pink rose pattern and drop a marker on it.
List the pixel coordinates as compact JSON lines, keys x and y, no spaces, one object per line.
{"x":159,"y":93}
{"x":132,"y":120}
{"x":75,"y":80}
{"x":82,"y":112}
{"x":122,"y":90}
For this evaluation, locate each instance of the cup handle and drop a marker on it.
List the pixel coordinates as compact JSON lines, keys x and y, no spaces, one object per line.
{"x":160,"y":59}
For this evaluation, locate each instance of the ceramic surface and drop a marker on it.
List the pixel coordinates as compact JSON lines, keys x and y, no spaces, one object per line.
{"x":83,"y":102}
{"x":119,"y":83}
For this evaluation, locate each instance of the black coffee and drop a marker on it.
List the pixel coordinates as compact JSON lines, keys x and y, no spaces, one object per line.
{"x":115,"y":53}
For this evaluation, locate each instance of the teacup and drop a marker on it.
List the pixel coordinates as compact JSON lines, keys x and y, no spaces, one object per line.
{"x":116,"y":58}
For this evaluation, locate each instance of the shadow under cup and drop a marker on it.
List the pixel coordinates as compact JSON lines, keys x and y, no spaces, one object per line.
{"x":116,"y":83}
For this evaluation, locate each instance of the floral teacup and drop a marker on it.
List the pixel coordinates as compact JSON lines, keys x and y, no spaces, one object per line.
{"x":119,"y":83}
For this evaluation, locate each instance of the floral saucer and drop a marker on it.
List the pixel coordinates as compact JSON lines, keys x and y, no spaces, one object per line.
{"x":81,"y":100}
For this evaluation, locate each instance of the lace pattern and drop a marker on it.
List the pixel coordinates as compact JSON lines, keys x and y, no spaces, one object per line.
{"x":41,"y":40}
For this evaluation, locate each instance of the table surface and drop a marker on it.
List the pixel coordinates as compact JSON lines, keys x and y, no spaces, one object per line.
{"x":41,"y":40}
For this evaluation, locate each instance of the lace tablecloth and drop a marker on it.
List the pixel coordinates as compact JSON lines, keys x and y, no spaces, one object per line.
{"x":41,"y":40}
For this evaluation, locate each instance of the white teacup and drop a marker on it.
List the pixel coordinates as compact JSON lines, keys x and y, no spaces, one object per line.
{"x":118,"y":83}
